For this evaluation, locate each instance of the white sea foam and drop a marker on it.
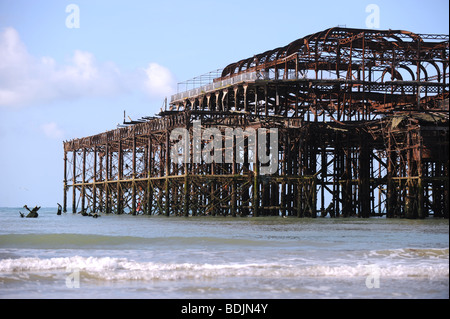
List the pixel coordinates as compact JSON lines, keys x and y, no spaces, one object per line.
{"x":108,"y":268}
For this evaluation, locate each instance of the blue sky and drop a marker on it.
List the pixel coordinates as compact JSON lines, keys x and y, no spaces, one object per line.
{"x":59,"y":83}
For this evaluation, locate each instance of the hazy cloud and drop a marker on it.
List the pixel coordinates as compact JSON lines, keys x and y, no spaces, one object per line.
{"x":52,"y":131}
{"x":25,"y":79}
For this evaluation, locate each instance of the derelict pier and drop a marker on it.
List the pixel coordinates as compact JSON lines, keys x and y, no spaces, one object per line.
{"x":362,"y":128}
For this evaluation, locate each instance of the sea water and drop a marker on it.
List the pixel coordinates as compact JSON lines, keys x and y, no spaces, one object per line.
{"x":123,"y":256}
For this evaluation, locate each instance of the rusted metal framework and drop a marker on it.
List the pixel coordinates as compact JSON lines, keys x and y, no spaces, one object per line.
{"x":362,"y":120}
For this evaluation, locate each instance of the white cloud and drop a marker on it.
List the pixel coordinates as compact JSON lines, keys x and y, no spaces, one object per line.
{"x":159,"y":80}
{"x":25,"y":79}
{"x":52,"y":131}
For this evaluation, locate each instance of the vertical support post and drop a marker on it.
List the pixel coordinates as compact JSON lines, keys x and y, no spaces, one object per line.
{"x":186,"y":195}
{"x":65,"y":183}
{"x":119,"y":179}
{"x":256,"y":110}
{"x":256,"y":179}
{"x":233,"y":172}
{"x":283,"y":199}
{"x":149,"y":176}
{"x":74,"y":181}
{"x":286,"y":170}
{"x":218,"y":101}
{"x":83,"y":186}
{"x":411,"y":188}
{"x":300,"y":179}
{"x":363,"y":181}
{"x":299,"y":198}
{"x":245,"y":198}
{"x":94,"y":183}
{"x":133,"y":182}
{"x":100,"y":179}
{"x":391,"y":188}
{"x":236,"y":100}
{"x":266,"y":100}
{"x":445,"y":193}
{"x":296,"y":100}
{"x":187,"y":159}
{"x":312,"y":184}
{"x":245,"y":97}
{"x":105,"y":183}
{"x":314,"y":197}
{"x":336,"y":174}
{"x":422,"y":213}
{"x":323,"y":174}
{"x":166,"y":182}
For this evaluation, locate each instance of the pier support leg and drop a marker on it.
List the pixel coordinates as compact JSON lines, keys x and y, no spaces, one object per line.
{"x":65,"y":183}
{"x":74,"y":190}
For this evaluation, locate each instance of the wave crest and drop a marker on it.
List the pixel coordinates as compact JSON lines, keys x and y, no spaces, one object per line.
{"x":108,"y":268}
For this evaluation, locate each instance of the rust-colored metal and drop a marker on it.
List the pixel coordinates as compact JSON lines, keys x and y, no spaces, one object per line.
{"x":362,"y":118}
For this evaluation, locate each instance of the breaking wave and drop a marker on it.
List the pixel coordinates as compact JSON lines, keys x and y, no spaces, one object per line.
{"x":111,"y":269}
